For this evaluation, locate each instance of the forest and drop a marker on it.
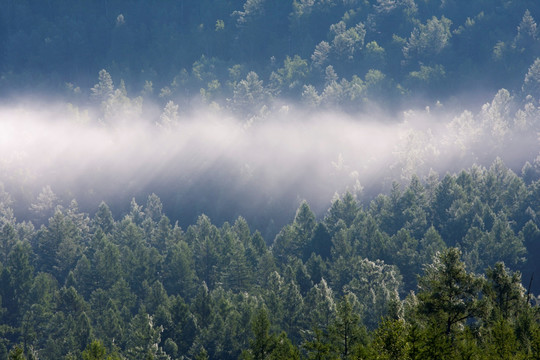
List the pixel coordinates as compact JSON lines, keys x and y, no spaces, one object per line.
{"x":256,"y":179}
{"x":243,"y":54}
{"x":439,"y":270}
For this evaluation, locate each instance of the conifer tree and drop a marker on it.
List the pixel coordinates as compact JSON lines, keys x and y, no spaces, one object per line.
{"x":346,"y":331}
{"x":448,"y":293}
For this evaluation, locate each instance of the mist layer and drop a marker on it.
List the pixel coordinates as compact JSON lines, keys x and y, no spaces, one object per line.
{"x":208,"y":161}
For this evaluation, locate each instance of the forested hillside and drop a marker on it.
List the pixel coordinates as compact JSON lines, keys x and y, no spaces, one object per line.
{"x":241,"y":54}
{"x":258,"y":179}
{"x":428,"y":271}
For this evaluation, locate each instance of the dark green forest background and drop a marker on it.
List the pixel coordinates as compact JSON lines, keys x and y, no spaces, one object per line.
{"x":433,"y":267}
{"x":241,"y":53}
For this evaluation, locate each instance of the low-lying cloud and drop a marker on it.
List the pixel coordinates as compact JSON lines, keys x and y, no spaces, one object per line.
{"x":209,"y":161}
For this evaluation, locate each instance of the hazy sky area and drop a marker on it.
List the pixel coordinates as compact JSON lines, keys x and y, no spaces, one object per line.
{"x":210,"y":162}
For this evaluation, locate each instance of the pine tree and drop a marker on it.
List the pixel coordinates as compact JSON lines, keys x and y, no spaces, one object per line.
{"x":104,"y":218}
{"x":104,"y":88}
{"x":448,"y":293}
{"x":284,"y":349}
{"x":390,"y":340}
{"x":8,"y":238}
{"x":503,"y":289}
{"x":320,"y":307}
{"x":143,"y":338}
{"x":45,"y":204}
{"x":17,"y":280}
{"x":94,"y":351}
{"x":263,"y":342}
{"x":346,"y":331}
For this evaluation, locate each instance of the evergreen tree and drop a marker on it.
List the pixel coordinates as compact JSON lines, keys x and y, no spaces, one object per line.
{"x":6,"y":212}
{"x":143,"y":338}
{"x":320,"y":307}
{"x":60,"y":245}
{"x":202,"y":306}
{"x":292,"y":311}
{"x":505,"y":291}
{"x":8,"y":238}
{"x":346,"y":331}
{"x":319,"y":347}
{"x":304,"y":224}
{"x":284,"y":349}
{"x":17,"y":280}
{"x":205,"y":244}
{"x":390,"y":340}
{"x":154,"y":208}
{"x":104,"y":88}
{"x":106,"y":265}
{"x":448,"y":293}
{"x":178,"y":273}
{"x":45,"y":205}
{"x":237,"y":275}
{"x":17,"y":353}
{"x":263,"y":343}
{"x":104,"y":218}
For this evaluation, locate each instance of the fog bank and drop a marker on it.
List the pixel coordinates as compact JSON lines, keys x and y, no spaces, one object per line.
{"x":208,"y":161}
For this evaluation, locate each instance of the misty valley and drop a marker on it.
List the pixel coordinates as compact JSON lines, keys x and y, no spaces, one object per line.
{"x":251,"y":179}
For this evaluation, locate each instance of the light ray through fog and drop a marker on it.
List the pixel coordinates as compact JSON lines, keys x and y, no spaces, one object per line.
{"x":279,"y":154}
{"x":211,"y":157}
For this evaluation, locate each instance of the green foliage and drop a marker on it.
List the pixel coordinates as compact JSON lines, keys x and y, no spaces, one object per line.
{"x":346,"y":332}
{"x":16,"y":353}
{"x":427,"y":76}
{"x":428,"y":40}
{"x":531,"y":84}
{"x":503,"y":344}
{"x":291,"y":76}
{"x":448,"y":293}
{"x":249,"y":93}
{"x":96,"y":351}
{"x":390,"y":340}
{"x":350,"y":285}
{"x":104,"y":88}
{"x":186,"y":49}
{"x":347,"y":42}
{"x":263,"y":343}
{"x":143,"y":338}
